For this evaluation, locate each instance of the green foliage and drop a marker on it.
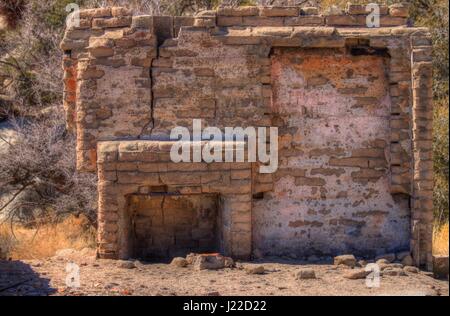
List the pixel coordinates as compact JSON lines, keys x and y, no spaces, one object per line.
{"x":434,"y":15}
{"x":54,"y":15}
{"x":247,"y":2}
{"x":441,"y":159}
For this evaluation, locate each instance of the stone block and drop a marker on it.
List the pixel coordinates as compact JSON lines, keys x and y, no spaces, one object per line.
{"x":229,"y":21}
{"x":386,"y":21}
{"x":205,"y":22}
{"x":100,"y":23}
{"x":305,"y":21}
{"x":262,"y":21}
{"x":347,"y":260}
{"x":361,"y":9}
{"x":95,"y":13}
{"x":399,"y":10}
{"x":308,"y":181}
{"x":138,"y":178}
{"x":121,"y":11}
{"x":178,"y":178}
{"x":345,"y":20}
{"x":279,"y":11}
{"x":239,"y":11}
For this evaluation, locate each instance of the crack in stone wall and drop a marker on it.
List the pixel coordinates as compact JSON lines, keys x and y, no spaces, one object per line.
{"x":218,"y":66}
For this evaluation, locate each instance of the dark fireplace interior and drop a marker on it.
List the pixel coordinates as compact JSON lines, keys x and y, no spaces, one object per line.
{"x":169,"y":225}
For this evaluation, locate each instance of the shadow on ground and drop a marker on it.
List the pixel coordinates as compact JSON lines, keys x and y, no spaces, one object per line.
{"x":19,"y":279}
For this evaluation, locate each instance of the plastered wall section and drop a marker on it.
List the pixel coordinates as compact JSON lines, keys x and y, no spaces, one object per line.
{"x":332,"y":193}
{"x":377,"y":172}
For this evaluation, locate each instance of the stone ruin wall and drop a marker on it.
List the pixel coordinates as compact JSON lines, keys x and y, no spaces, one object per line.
{"x":353,"y":106}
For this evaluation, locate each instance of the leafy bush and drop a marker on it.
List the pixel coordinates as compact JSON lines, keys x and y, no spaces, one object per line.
{"x":441,"y":160}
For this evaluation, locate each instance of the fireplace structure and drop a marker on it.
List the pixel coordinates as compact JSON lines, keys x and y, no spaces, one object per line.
{"x":353,"y":108}
{"x":152,"y":207}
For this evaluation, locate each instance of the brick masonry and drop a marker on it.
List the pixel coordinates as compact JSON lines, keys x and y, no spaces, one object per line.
{"x":353,"y":106}
{"x":130,"y":172}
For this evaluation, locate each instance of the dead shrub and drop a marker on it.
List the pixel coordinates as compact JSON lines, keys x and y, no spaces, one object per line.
{"x":30,"y":58}
{"x":13,"y":10}
{"x":39,"y":170}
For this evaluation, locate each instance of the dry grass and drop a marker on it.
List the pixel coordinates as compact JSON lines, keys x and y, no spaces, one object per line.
{"x":440,"y":240}
{"x":43,"y":242}
{"x":76,"y":233}
{"x":325,"y":4}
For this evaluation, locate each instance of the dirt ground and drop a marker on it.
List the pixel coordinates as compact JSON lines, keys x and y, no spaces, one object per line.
{"x":109,"y":277}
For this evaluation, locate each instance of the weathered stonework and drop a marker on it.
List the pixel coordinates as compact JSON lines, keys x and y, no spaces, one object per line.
{"x":133,"y":170}
{"x":353,"y":106}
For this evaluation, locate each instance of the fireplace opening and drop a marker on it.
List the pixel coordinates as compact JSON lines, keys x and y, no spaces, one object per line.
{"x":164,"y":225}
